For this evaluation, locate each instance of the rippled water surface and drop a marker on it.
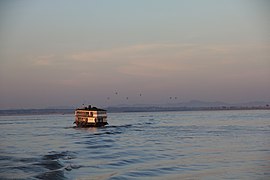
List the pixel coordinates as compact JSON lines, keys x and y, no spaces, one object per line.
{"x":163,"y":145}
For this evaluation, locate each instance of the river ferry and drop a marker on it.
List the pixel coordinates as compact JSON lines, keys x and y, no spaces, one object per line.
{"x":90,"y":117}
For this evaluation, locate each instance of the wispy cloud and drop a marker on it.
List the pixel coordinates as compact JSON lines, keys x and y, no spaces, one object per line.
{"x":44,"y":60}
{"x":160,"y":59}
{"x":110,"y":54}
{"x":149,"y":60}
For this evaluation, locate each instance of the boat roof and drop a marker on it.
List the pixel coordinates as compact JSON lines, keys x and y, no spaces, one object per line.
{"x":89,"y":108}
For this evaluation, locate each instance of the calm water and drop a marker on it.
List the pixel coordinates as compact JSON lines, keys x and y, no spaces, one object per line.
{"x":163,"y":145}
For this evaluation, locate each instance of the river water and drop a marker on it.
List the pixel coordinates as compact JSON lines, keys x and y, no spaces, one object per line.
{"x":160,"y":145}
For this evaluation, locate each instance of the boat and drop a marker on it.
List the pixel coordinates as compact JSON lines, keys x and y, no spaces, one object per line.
{"x":90,"y":117}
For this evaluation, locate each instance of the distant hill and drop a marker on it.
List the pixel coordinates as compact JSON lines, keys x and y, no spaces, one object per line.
{"x":198,"y":103}
{"x":193,"y":105}
{"x":35,"y":111}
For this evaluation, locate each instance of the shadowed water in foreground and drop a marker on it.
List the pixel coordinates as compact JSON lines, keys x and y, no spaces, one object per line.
{"x":163,"y":145}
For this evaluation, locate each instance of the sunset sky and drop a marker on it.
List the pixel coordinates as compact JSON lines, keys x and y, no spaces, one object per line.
{"x":66,"y":53}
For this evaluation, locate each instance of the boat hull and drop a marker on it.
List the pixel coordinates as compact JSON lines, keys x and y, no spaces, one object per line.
{"x":97,"y":124}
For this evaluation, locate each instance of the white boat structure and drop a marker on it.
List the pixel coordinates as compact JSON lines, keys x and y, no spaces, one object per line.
{"x":90,"y":117}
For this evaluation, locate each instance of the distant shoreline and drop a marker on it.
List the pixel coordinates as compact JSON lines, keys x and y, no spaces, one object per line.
{"x":127,"y":109}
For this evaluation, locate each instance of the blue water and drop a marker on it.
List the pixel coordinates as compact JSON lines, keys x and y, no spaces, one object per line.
{"x":163,"y":145}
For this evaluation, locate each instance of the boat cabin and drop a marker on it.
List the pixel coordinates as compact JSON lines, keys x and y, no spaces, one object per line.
{"x":90,"y":117}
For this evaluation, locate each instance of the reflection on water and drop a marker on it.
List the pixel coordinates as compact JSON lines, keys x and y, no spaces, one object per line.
{"x":164,"y":145}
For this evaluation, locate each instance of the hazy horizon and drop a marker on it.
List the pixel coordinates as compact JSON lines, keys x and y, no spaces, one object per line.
{"x":68,"y":53}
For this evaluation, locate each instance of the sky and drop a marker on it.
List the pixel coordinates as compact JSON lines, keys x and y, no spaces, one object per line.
{"x":67,"y":53}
